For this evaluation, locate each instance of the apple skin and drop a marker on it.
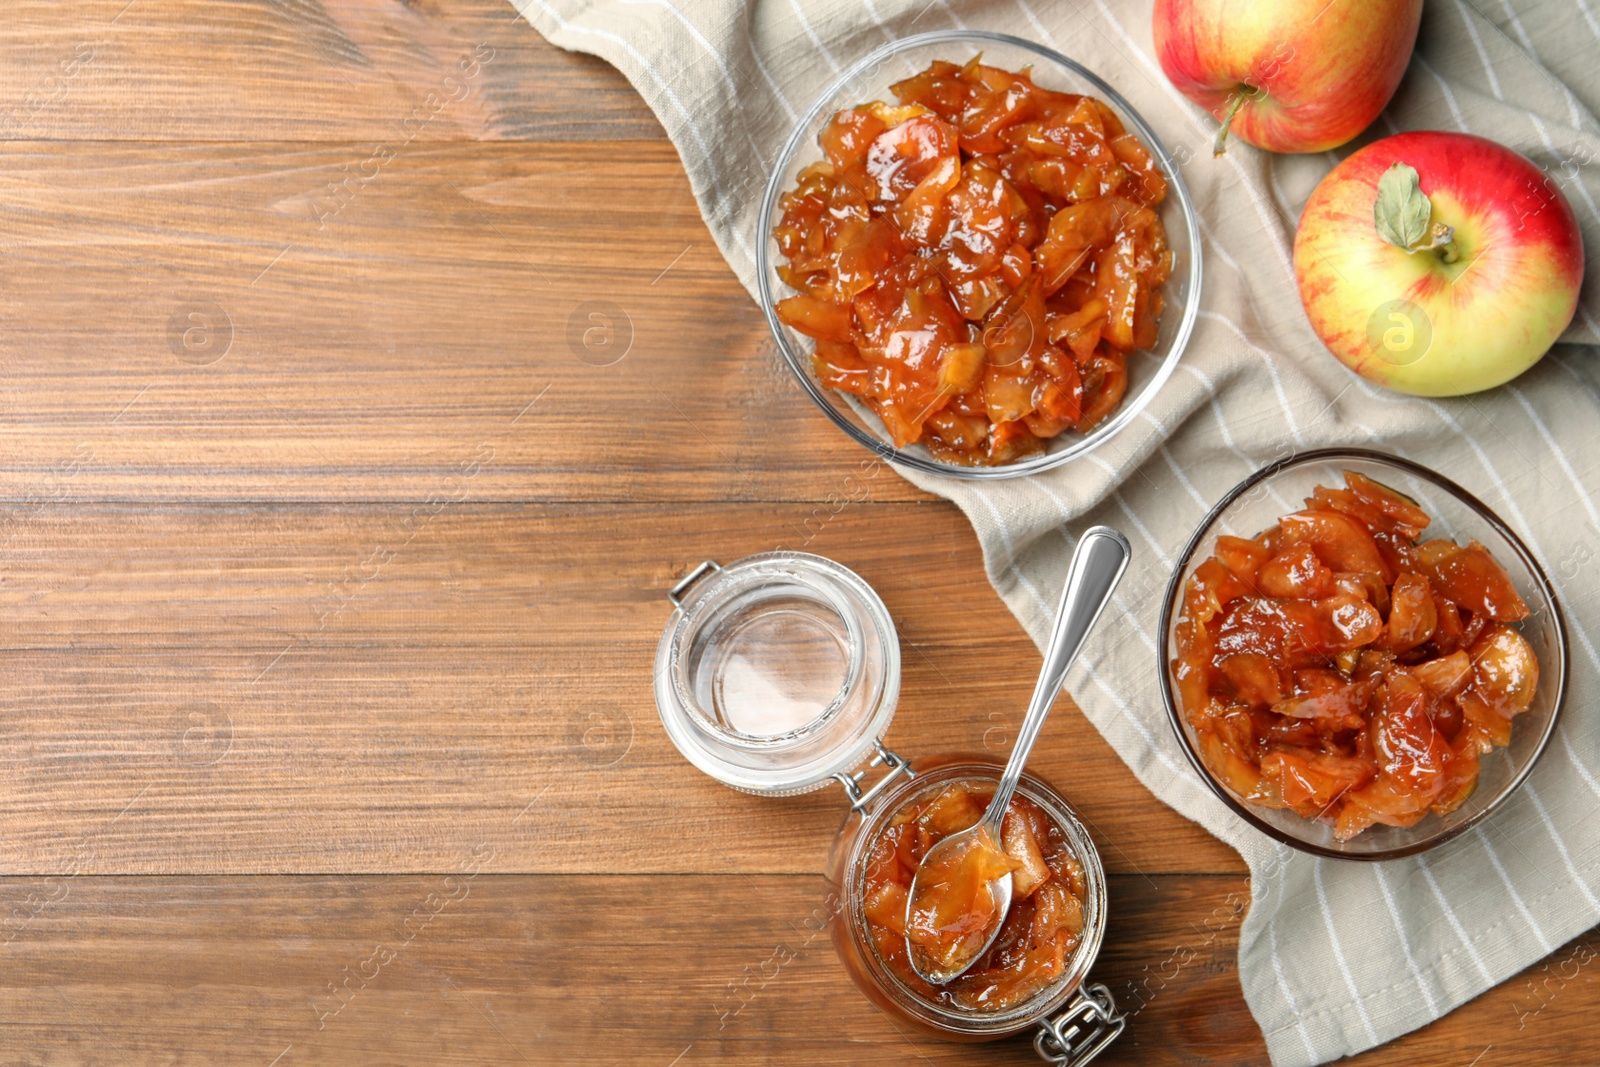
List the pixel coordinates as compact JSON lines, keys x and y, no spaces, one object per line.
{"x":1485,"y":318}
{"x":1324,"y":70}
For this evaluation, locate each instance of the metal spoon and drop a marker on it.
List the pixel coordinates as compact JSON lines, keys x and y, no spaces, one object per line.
{"x":1097,"y":565}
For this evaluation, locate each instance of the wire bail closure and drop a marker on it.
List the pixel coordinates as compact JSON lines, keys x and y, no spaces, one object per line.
{"x":675,"y":594}
{"x":898,"y":766}
{"x":1082,"y":1031}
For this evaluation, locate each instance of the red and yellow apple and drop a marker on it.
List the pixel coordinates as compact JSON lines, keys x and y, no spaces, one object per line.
{"x":1438,"y":264}
{"x":1287,"y":75}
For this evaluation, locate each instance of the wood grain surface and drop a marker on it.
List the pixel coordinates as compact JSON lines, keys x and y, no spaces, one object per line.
{"x":334,"y":532}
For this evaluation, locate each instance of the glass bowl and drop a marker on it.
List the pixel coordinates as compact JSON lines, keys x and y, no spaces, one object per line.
{"x":1256,"y":504}
{"x":869,"y":80}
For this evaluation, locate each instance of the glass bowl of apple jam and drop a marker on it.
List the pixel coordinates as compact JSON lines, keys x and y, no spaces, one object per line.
{"x":779,"y":674}
{"x":1421,"y":711}
{"x":1021,"y":386}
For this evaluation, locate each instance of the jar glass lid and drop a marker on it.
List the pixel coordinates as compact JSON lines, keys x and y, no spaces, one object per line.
{"x":776,"y":672}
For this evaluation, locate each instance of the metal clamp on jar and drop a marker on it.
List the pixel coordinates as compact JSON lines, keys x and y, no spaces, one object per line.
{"x":780,"y":673}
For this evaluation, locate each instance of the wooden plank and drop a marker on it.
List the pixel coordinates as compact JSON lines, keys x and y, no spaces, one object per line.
{"x":305,"y":688}
{"x":594,"y":970}
{"x":209,"y":322}
{"x":303,"y":70}
{"x":504,"y":969}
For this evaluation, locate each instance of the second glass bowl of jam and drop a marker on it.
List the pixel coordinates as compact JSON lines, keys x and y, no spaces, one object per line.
{"x":1303,"y":489}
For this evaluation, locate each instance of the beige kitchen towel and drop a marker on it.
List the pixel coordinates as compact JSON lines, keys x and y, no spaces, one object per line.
{"x":1335,"y":956}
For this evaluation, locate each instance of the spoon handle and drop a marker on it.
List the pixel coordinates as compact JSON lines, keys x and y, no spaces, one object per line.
{"x":1097,"y":565}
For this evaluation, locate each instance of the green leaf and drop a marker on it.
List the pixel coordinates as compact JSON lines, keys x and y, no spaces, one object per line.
{"x":1402,"y":211}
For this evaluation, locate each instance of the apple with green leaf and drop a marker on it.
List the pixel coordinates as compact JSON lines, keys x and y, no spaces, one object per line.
{"x":1287,"y":75}
{"x":1438,"y":264}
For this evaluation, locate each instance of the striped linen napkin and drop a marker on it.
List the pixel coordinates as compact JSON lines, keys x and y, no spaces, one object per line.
{"x":1335,"y":957}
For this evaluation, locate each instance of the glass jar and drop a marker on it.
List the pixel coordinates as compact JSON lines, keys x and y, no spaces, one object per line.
{"x":780,"y":673}
{"x":1059,"y":1009}
{"x":777,"y":672}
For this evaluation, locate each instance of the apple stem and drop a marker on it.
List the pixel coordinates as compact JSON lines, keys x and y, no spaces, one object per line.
{"x":1220,"y":145}
{"x":1444,"y":242}
{"x":1403,"y":216}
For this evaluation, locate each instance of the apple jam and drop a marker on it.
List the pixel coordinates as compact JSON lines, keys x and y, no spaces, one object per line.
{"x":977,"y":261}
{"x":1341,"y":667}
{"x":1042,"y":928}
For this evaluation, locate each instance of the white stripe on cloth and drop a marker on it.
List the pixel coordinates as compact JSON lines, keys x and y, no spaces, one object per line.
{"x":1483,"y":54}
{"x":1579,"y":879}
{"x":822,"y":49}
{"x":1268,"y":360}
{"x":1533,"y":53}
{"x":1444,"y":87}
{"x":1454,"y":920}
{"x":1405,"y":942}
{"x":1338,"y":951}
{"x":1588,"y":16}
{"x":1516,"y":897}
{"x":1298,"y":1020}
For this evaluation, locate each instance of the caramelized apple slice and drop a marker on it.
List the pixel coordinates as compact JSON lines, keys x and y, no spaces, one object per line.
{"x":1410,"y":749}
{"x":899,"y":158}
{"x":1350,"y":623}
{"x":1407,"y":514}
{"x":1339,"y":541}
{"x":1280,"y":627}
{"x":1228,"y":763}
{"x":954,"y":909}
{"x":1191,"y":668}
{"x":1376,"y":505}
{"x":1243,"y":556}
{"x":1311,"y":782}
{"x":1253,"y":677}
{"x":952,"y":811}
{"x":1412,"y":614}
{"x":868,"y":257}
{"x":1446,"y":676}
{"x":1368,"y":587}
{"x":885,"y":905}
{"x":1505,"y":672}
{"x":815,"y":318}
{"x":1020,"y":844}
{"x":1383,"y":801}
{"x":845,"y":142}
{"x":1470,"y":577}
{"x":1460,"y":779}
{"x":1296,"y":572}
{"x":1326,"y":696}
{"x":1105,"y":383}
{"x":938,"y":88}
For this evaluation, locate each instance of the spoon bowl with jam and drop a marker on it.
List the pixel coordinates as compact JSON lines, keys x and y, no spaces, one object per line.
{"x":963,"y":888}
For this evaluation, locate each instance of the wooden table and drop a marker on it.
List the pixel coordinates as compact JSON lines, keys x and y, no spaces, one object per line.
{"x":332,"y":560}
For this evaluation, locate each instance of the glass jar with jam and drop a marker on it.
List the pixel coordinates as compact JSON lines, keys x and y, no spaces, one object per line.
{"x":779,"y":674}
